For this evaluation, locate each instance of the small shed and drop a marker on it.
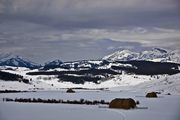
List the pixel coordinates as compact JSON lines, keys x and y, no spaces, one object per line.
{"x":70,"y":90}
{"x":122,"y":103}
{"x":151,"y":95}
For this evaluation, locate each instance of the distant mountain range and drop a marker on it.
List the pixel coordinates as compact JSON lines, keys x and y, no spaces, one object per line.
{"x":17,"y":61}
{"x":155,"y":55}
{"x":153,"y":62}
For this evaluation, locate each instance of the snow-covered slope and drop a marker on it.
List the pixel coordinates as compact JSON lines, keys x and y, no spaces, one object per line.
{"x":174,"y":56}
{"x":166,"y":84}
{"x":17,"y":61}
{"x":123,"y":55}
{"x":155,"y":54}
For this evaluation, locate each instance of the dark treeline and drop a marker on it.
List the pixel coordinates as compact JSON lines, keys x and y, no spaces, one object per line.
{"x":79,"y":79}
{"x":139,"y":67}
{"x":13,"y":91}
{"x":12,"y":77}
{"x":89,"y":75}
{"x":77,"y":72}
{"x":38,"y":100}
{"x":149,"y":68}
{"x":9,"y":76}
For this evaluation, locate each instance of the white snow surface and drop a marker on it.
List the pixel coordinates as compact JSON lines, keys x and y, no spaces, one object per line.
{"x":122,"y":55}
{"x":156,"y":55}
{"x":165,"y":107}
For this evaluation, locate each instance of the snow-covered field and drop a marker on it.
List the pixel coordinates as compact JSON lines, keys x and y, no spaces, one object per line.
{"x":47,"y":82}
{"x":165,"y":107}
{"x":160,"y":83}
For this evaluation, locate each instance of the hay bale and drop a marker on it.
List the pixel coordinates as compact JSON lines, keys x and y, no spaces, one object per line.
{"x":151,"y":95}
{"x":70,"y":90}
{"x":122,"y":103}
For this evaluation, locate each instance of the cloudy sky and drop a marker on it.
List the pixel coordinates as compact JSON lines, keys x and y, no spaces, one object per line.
{"x":43,"y":30}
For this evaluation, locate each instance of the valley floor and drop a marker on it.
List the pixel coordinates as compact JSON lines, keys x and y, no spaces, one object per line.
{"x":159,"y":83}
{"x":165,"y":107}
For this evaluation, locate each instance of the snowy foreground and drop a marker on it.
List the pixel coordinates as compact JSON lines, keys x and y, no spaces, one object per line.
{"x":165,"y":107}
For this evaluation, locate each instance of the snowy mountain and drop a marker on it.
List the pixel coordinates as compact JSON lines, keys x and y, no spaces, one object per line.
{"x":17,"y":61}
{"x":174,"y":56}
{"x":53,"y":64}
{"x":155,"y":54}
{"x":124,"y":55}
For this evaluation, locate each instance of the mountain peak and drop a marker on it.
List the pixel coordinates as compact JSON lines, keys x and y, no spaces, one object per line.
{"x":17,"y":61}
{"x":155,"y":54}
{"x":53,"y":64}
{"x":122,"y":55}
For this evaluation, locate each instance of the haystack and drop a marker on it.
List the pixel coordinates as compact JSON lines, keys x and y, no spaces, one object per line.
{"x":127,"y":103}
{"x":70,"y":90}
{"x":151,"y":95}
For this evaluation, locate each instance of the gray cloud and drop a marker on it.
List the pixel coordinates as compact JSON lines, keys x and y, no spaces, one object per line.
{"x":84,"y":29}
{"x":66,"y":14}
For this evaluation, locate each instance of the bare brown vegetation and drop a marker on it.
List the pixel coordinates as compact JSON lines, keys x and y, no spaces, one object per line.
{"x":122,"y":103}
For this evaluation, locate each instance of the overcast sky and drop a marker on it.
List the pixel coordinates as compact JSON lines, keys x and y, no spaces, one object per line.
{"x":43,"y":30}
